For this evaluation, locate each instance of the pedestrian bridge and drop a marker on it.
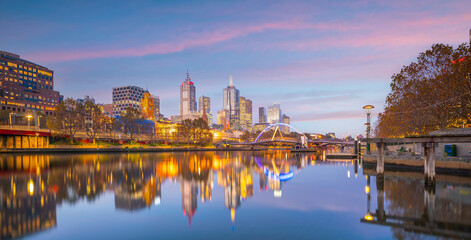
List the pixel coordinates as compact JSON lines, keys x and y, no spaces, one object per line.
{"x":278,"y":137}
{"x":300,"y":138}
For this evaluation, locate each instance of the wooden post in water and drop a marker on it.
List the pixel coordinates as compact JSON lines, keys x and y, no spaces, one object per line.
{"x":380,"y":159}
{"x":429,"y":164}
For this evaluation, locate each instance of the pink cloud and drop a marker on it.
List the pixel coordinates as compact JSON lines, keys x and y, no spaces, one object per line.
{"x":311,"y":117}
{"x":195,"y":40}
{"x":192,"y":40}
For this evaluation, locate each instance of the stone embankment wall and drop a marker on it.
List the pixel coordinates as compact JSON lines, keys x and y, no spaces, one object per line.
{"x":414,"y":161}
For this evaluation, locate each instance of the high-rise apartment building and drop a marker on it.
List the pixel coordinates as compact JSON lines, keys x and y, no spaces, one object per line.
{"x":274,"y":113}
{"x":245,"y":113}
{"x":232,"y":104}
{"x":187,"y":97}
{"x":26,"y":86}
{"x":127,"y":96}
{"x":262,"y":115}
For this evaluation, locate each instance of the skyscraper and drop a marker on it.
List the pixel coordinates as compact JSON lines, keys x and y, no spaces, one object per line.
{"x":187,"y":97}
{"x":232,"y":104}
{"x":262,"y":115}
{"x":26,"y":86}
{"x":156,"y":106}
{"x":285,"y":119}
{"x":274,"y":113}
{"x":127,"y":96}
{"x":207,"y":104}
{"x":245,"y":113}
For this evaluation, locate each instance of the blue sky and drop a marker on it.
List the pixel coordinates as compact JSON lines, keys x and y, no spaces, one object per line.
{"x":322,"y":61}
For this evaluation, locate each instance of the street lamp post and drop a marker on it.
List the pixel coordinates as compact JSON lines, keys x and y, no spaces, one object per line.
{"x":29,"y":120}
{"x":9,"y":117}
{"x":368,"y":109}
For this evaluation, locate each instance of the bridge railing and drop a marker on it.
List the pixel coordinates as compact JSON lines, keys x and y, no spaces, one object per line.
{"x":23,"y":128}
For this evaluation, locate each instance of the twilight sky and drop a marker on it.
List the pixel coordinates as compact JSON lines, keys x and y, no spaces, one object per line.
{"x":321,"y":60}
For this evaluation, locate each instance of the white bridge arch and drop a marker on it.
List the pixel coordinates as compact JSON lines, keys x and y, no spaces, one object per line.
{"x":276,"y":126}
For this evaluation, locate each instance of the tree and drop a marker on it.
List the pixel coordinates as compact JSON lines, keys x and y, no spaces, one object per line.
{"x":429,"y":94}
{"x":112,"y":127}
{"x":94,"y":120}
{"x":195,"y":131}
{"x":245,"y":136}
{"x":67,"y":119}
{"x":130,"y":122}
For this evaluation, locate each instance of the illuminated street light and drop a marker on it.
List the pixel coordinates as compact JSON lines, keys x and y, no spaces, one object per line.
{"x":29,"y":120}
{"x":368,"y":109}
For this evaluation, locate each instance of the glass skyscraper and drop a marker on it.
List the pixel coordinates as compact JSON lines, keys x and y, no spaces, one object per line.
{"x":232,"y":104}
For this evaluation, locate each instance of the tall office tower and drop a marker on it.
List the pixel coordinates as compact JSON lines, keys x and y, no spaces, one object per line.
{"x":187,"y":97}
{"x":147,"y":107}
{"x":127,"y":96}
{"x":231,"y":103}
{"x":245,"y":113}
{"x":262,"y":115}
{"x":285,"y":119}
{"x":274,"y":113}
{"x":156,"y":106}
{"x":26,"y":86}
{"x":207,"y":104}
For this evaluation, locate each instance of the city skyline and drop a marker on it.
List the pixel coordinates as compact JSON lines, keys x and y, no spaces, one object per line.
{"x":325,"y":66}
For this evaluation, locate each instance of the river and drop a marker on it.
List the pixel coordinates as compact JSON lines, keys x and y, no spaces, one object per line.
{"x":222,"y":195}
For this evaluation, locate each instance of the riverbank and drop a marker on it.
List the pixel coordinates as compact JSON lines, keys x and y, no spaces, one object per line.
{"x":120,"y":149}
{"x":445,"y":165}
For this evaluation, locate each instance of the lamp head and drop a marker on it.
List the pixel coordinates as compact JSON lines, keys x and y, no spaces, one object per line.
{"x":368,"y":108}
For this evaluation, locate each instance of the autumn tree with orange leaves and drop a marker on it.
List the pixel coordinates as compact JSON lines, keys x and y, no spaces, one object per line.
{"x":431,"y":93}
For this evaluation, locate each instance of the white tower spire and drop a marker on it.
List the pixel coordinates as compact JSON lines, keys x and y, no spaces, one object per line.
{"x":230,"y":82}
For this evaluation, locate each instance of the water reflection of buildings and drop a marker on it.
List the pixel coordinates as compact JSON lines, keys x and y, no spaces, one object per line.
{"x":27,"y":206}
{"x":135,"y":180}
{"x":443,"y":211}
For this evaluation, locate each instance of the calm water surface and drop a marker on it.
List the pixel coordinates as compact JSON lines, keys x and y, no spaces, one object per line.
{"x":222,"y":195}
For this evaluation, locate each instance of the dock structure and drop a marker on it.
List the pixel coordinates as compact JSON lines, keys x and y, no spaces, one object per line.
{"x":429,"y":145}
